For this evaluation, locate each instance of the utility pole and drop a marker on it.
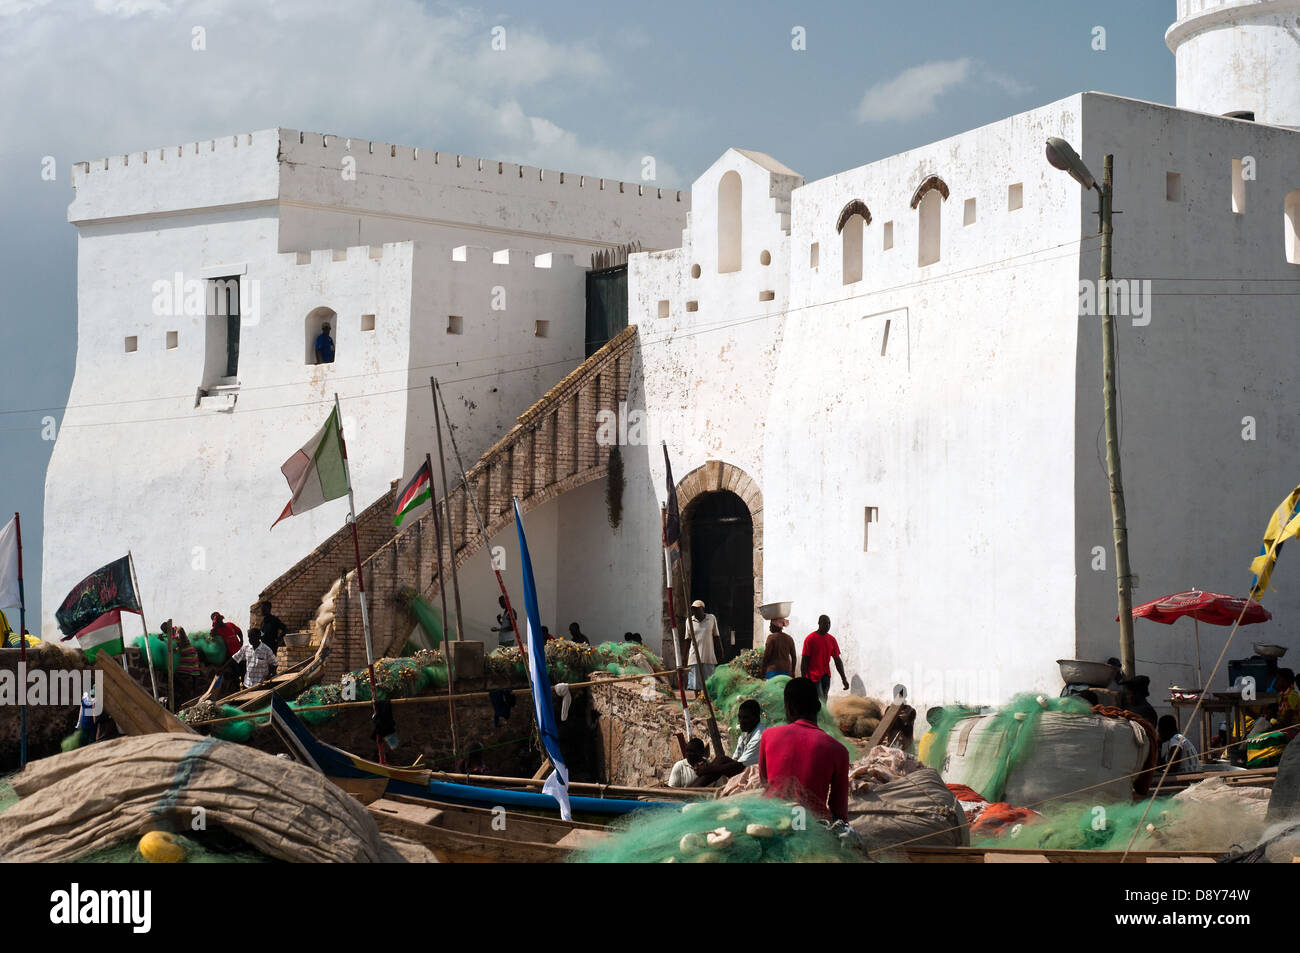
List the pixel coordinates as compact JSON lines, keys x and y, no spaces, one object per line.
{"x":1123,"y":573}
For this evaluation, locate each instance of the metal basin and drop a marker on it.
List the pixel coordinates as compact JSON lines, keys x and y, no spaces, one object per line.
{"x":775,"y":610}
{"x":1077,"y":672}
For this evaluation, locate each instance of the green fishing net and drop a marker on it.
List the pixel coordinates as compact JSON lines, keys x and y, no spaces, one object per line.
{"x":624,"y":658}
{"x":429,"y":618}
{"x":1000,"y":746}
{"x":1077,"y":827}
{"x":211,"y":649}
{"x":730,"y":685}
{"x":157,"y":649}
{"x":761,"y":829}
{"x":7,"y":796}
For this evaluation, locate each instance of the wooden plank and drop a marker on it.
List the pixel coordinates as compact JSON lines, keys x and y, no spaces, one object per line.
{"x":577,"y":839}
{"x":544,"y":770}
{"x":886,"y":725}
{"x":365,"y":790}
{"x":132,"y":710}
{"x":1180,"y":860}
{"x":993,"y":857}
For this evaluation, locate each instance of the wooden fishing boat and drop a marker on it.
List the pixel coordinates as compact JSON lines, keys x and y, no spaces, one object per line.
{"x":419,"y":782}
{"x":291,"y":681}
{"x":476,"y":834}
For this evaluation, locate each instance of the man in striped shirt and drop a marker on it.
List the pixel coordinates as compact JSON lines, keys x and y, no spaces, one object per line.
{"x":184,"y":660}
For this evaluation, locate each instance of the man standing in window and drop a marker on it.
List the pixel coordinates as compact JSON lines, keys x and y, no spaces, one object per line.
{"x":324,"y":345}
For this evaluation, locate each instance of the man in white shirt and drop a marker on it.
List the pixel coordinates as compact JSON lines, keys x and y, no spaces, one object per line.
{"x":683,"y":774}
{"x":702,"y":649}
{"x":259,"y":658}
{"x":750,"y":718}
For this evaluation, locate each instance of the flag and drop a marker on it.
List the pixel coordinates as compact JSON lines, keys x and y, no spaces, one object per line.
{"x":10,"y":596}
{"x":102,"y":635}
{"x":1282,"y":525}
{"x":316,"y":473}
{"x":557,"y":785}
{"x":108,"y":587}
{"x":418,"y":491}
{"x":673,"y":520}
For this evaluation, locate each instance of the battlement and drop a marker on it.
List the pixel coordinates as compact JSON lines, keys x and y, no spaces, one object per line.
{"x":519,"y":258}
{"x":384,"y":158}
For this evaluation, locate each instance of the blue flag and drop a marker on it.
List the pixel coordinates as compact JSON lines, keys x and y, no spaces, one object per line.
{"x":557,"y":785}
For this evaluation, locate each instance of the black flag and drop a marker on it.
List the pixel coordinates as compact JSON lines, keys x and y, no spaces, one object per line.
{"x":109,"y":587}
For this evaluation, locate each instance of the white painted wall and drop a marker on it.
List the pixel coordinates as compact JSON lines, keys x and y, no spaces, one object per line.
{"x":191,"y":491}
{"x":1219,"y":347}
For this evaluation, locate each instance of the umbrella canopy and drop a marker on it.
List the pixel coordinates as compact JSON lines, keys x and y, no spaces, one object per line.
{"x":1212,"y":607}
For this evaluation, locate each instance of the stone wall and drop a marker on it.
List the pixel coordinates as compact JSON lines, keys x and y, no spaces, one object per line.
{"x":636,"y":734}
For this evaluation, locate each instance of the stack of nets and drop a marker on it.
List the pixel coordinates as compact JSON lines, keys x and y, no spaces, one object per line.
{"x":1082,"y":827}
{"x":729,"y":685}
{"x":745,"y":829}
{"x":996,"y":763}
{"x":506,"y":662}
{"x":568,"y":661}
{"x":750,"y":661}
{"x":624,"y":658}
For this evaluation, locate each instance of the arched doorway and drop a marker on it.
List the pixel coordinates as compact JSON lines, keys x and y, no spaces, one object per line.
{"x":720,"y":531}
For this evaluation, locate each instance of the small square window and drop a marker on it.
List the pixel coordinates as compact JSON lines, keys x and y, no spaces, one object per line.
{"x":541,"y":329}
{"x":132,"y":343}
{"x":766,"y":295}
{"x":367,"y":322}
{"x":814,"y":254}
{"x":1015,"y":196}
{"x":1173,"y":187}
{"x":889,"y":235}
{"x":455,"y":324}
{"x":968,"y":212}
{"x":1238,"y":187}
{"x":692,"y":306}
{"x":173,"y":340}
{"x":872,"y":515}
{"x":663,"y":308}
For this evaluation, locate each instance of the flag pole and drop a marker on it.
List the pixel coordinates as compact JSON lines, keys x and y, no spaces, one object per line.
{"x":361,"y":583}
{"x":442,"y":596}
{"x":153,"y":684}
{"x":22,"y":647}
{"x":451,"y":526}
{"x":672,"y":620}
{"x":464,"y":482}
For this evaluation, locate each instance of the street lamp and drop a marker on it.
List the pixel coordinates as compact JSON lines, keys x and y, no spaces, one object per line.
{"x":1062,"y":156}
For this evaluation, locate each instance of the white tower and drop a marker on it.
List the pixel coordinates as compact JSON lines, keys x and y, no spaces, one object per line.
{"x":1239,"y":58}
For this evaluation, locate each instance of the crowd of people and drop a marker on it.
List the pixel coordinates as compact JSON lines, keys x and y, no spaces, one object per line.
{"x":797,"y":761}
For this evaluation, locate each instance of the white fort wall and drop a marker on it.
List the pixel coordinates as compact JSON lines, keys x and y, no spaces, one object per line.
{"x":201,"y":208}
{"x":189,"y":489}
{"x":955,"y":427}
{"x":1220,"y":346}
{"x":398,"y":192}
{"x":500,"y":361}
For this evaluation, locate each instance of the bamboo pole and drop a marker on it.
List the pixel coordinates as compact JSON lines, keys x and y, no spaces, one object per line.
{"x":424,"y":699}
{"x":451,"y":526}
{"x":22,"y":646}
{"x":148,"y":654}
{"x":442,"y":596}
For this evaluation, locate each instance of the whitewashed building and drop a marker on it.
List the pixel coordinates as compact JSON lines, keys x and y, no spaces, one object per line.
{"x":881,"y":390}
{"x":425,"y":263}
{"x":898,"y":365}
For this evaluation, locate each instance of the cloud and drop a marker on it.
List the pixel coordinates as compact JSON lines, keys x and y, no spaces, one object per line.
{"x":91,"y":78}
{"x":915,"y":91}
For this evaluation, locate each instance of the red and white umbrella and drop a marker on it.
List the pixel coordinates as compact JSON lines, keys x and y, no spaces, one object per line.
{"x":1212,"y":607}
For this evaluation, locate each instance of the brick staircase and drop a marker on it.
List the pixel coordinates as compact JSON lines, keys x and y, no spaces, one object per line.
{"x":550,"y":450}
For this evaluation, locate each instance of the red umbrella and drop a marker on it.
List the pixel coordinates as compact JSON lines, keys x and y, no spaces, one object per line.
{"x":1212,"y":607}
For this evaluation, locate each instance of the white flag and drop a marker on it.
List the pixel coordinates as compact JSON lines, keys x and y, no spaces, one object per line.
{"x":9,"y":595}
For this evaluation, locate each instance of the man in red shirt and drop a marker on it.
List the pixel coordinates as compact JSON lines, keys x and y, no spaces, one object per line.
{"x":800,"y":762}
{"x":228,"y":632}
{"x":819,"y":649}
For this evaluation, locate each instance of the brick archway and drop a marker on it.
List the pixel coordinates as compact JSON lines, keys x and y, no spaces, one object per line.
{"x":712,"y":477}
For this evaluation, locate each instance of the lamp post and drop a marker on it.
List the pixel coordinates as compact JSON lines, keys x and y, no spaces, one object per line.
{"x":1062,"y":156}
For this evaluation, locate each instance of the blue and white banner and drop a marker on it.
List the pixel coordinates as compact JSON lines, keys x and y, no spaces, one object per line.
{"x":557,"y":785}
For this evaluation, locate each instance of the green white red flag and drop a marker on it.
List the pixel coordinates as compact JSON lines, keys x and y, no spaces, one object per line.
{"x":102,"y":635}
{"x":316,"y":473}
{"x":418,"y":491}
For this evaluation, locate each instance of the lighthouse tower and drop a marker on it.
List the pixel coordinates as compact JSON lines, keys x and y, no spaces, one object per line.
{"x":1239,"y":58}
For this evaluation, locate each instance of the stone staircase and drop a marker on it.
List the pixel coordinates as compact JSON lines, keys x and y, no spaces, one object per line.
{"x":550,"y":450}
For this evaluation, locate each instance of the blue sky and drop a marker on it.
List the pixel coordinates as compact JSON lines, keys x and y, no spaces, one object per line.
{"x":581,"y":88}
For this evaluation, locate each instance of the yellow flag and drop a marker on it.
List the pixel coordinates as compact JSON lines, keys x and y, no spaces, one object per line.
{"x":1282,"y":525}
